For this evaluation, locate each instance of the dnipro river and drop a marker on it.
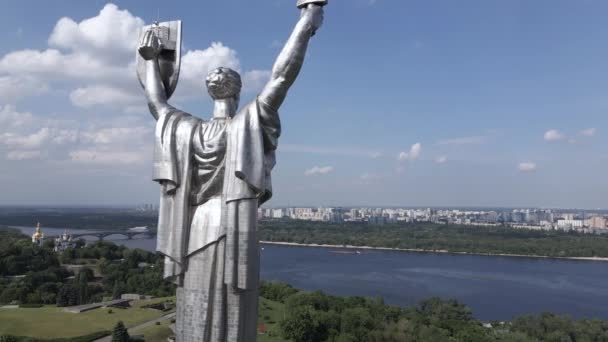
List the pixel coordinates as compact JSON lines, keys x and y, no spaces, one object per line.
{"x":494,"y":287}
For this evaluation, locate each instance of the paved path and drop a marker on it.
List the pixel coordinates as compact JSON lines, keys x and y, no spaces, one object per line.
{"x":133,"y":330}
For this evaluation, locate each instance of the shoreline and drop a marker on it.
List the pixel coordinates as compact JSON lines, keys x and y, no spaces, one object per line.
{"x":294,"y":244}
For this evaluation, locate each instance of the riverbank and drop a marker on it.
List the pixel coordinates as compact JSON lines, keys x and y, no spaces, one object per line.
{"x":431,"y":251}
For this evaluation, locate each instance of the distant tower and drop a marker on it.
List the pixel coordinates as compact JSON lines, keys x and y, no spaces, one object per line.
{"x":38,"y":236}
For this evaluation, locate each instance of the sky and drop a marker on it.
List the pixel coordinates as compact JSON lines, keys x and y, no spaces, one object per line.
{"x":399,"y":103}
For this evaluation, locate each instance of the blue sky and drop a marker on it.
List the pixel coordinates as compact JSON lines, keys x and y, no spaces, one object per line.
{"x":421,"y":103}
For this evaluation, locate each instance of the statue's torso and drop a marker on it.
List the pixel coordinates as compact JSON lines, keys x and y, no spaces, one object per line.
{"x":209,"y":147}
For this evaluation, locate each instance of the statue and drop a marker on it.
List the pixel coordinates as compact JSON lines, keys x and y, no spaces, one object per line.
{"x":213,"y":176}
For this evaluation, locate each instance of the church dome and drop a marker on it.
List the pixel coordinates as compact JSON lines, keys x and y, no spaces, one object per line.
{"x":38,"y":234}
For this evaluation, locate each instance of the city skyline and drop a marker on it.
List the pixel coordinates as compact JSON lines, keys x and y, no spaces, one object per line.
{"x":431,"y":104}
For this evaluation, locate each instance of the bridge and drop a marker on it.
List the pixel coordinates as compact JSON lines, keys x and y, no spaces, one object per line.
{"x":102,"y":235}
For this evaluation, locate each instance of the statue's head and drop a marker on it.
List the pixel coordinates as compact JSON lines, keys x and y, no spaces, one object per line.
{"x":224,"y":83}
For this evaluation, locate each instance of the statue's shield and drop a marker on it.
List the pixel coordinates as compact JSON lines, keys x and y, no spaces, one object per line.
{"x":170,"y":34}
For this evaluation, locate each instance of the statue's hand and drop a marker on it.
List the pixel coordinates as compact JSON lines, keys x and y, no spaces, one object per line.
{"x":314,"y":13}
{"x":150,"y":46}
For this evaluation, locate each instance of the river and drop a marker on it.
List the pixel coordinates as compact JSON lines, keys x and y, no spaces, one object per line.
{"x":494,"y":287}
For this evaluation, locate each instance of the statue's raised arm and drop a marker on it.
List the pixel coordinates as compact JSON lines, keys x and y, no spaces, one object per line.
{"x":291,"y":58}
{"x":158,"y":64}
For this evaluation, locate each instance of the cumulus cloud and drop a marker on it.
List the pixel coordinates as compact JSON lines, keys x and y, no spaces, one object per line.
{"x":16,"y":87}
{"x":98,"y":54}
{"x":98,"y":49}
{"x":25,"y":136}
{"x":589,"y":132}
{"x":53,"y":65}
{"x":441,"y":160}
{"x":93,"y":61}
{"x":89,"y":96}
{"x":10,"y":117}
{"x":412,"y":154}
{"x":319,"y":170}
{"x":527,"y":167}
{"x":113,"y":32}
{"x":40,"y":138}
{"x":554,"y":135}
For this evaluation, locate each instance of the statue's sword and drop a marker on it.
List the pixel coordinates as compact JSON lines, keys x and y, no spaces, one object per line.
{"x":304,"y":3}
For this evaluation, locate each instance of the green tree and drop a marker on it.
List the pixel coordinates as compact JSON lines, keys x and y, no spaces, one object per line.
{"x":120,"y":333}
{"x":83,"y":286}
{"x":117,"y":291}
{"x":357,"y":322}
{"x":302,"y":325}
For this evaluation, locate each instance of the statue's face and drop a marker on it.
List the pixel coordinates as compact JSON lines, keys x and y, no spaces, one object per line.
{"x":223,"y":83}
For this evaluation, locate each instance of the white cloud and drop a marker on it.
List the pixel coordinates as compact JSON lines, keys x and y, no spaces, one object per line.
{"x":15,"y":87}
{"x":527,"y":167}
{"x":107,"y":36}
{"x":412,"y":154}
{"x":98,"y":49}
{"x":52,"y":65}
{"x":33,"y":140}
{"x":319,"y":170}
{"x":40,"y":138}
{"x":554,"y":135}
{"x":10,"y":117}
{"x":117,"y":135}
{"x":441,"y":160}
{"x":589,"y":132}
{"x":478,"y":139}
{"x":23,"y":155}
{"x":89,"y":96}
{"x":98,"y":54}
{"x":91,"y":156}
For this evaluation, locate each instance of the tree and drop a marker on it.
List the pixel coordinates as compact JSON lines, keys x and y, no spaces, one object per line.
{"x":302,"y":325}
{"x":120,"y":333}
{"x":357,"y":322}
{"x":117,"y":291}
{"x":83,"y":286}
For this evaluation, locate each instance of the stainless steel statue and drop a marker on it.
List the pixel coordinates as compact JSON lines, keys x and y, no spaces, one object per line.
{"x":213,"y":176}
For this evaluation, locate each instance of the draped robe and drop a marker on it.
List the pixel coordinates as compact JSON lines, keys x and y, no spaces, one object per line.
{"x":213,"y":175}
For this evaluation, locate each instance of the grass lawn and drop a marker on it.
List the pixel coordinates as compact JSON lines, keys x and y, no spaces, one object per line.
{"x":270,"y":313}
{"x":51,"y":321}
{"x":156,"y":333}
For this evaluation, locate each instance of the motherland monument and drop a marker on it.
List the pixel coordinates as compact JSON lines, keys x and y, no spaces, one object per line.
{"x":213,"y":175}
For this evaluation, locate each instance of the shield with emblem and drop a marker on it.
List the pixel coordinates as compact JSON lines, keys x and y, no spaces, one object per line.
{"x":170,"y":36}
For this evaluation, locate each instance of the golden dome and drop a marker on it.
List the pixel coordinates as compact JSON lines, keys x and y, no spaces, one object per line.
{"x":38,"y":234}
